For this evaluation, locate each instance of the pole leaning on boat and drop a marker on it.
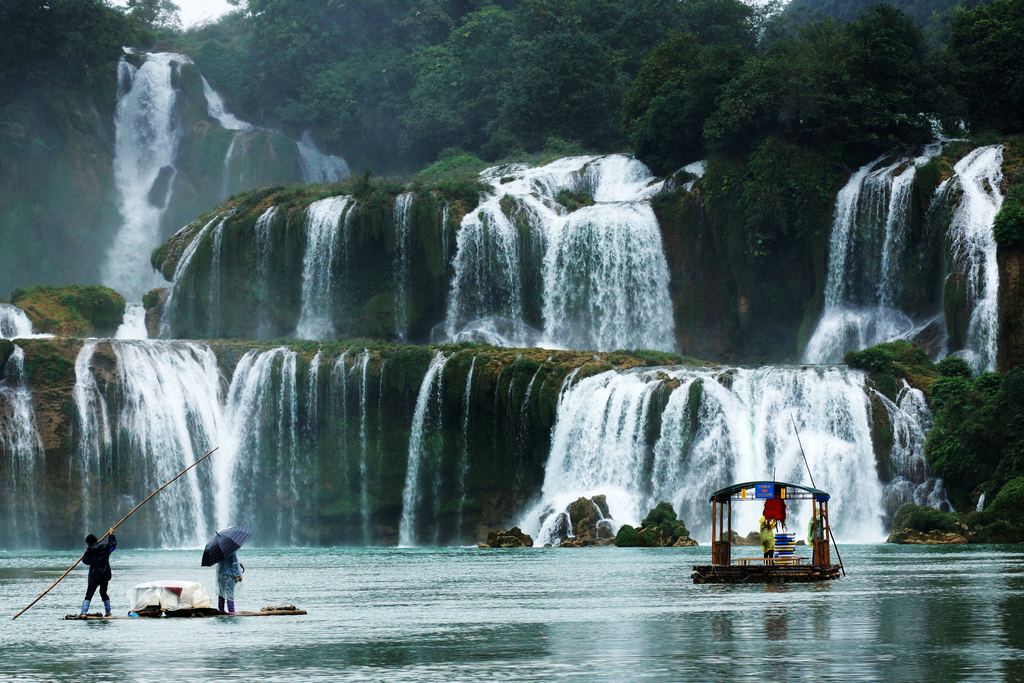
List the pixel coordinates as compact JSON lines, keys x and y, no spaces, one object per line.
{"x":121,"y":521}
{"x":810,"y":476}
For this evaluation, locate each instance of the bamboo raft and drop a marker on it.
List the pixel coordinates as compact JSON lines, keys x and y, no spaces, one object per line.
{"x":763,"y":573}
{"x":199,"y":613}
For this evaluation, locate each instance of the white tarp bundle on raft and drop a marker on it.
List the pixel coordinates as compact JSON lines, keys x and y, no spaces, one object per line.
{"x":168,"y":595}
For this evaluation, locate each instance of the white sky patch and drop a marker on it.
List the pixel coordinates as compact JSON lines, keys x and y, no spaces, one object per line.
{"x":196,"y":11}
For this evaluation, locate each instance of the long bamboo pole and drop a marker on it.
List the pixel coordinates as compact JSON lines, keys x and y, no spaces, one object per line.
{"x":810,"y":476}
{"x":112,"y":529}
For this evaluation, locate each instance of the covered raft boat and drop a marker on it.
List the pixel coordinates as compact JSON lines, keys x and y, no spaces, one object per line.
{"x":783,"y":569}
{"x":177,"y":599}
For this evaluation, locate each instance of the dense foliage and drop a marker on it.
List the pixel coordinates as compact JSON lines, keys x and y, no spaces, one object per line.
{"x":391,"y":84}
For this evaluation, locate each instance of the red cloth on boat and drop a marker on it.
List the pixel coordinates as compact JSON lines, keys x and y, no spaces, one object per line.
{"x":775,"y":508}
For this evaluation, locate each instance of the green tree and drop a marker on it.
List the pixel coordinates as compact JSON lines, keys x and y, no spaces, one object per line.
{"x":985,"y":63}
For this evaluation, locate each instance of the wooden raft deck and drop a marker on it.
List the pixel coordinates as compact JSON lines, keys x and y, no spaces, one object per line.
{"x":763,"y":573}
{"x":202,"y":613}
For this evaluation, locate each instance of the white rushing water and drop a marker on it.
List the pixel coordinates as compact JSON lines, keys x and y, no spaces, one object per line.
{"x":146,"y":135}
{"x":719,"y":426}
{"x":21,"y":452}
{"x":323,"y":225}
{"x":978,"y":177}
{"x":413,"y":489}
{"x":403,"y":233}
{"x":171,"y":407}
{"x":316,"y":166}
{"x":15,"y":324}
{"x":870,"y":228}
{"x":601,"y":270}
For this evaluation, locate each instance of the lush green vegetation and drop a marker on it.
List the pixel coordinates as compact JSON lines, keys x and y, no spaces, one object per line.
{"x":72,"y":311}
{"x":976,"y":444}
{"x":394,"y":84}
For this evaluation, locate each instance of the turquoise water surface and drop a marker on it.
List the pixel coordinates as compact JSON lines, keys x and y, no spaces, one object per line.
{"x":589,"y":614}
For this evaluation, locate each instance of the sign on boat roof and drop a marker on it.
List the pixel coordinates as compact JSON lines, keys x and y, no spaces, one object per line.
{"x":759,"y":490}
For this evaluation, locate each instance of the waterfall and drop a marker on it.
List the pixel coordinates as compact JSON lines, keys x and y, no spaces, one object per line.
{"x":15,"y":324}
{"x":606,"y":280}
{"x":870,"y":228}
{"x":910,"y":419}
{"x":182,"y":268}
{"x":317,"y":167}
{"x":403,"y":233}
{"x":21,"y":451}
{"x":146,"y":136}
{"x":216,"y":256}
{"x":718,"y":426}
{"x":978,"y":177}
{"x":600,"y":267}
{"x":94,"y":434}
{"x":265,"y":474}
{"x":133,"y":325}
{"x":264,"y":245}
{"x":411,"y":493}
{"x":323,"y":222}
{"x":339,"y":406}
{"x":168,"y":414}
{"x":364,"y":474}
{"x":464,"y":450}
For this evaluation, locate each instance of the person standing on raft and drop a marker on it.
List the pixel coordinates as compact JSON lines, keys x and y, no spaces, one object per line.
{"x":768,"y":537}
{"x":229,"y":572}
{"x":97,"y":556}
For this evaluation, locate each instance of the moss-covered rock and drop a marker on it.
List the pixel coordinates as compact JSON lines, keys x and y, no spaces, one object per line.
{"x":661,"y":528}
{"x":72,"y":311}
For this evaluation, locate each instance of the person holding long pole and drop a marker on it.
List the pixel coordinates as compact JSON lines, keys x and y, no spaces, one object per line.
{"x":112,"y":529}
{"x":97,"y":556}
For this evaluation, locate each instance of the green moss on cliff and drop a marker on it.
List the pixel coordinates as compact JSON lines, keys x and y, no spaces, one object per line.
{"x":72,"y":311}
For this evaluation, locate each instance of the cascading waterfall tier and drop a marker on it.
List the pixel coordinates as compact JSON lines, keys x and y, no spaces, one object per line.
{"x":598,"y":273}
{"x":719,"y":426}
{"x":868,"y":252}
{"x":867,"y":248}
{"x":149,"y":128}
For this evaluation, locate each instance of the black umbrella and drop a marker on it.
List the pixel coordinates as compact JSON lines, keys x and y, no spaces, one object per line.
{"x":223,"y":544}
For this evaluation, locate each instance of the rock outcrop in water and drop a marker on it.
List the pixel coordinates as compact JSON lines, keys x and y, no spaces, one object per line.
{"x":507,"y":538}
{"x":661,"y":528}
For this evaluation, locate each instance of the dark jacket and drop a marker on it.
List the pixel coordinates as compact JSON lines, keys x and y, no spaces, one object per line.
{"x":97,"y":556}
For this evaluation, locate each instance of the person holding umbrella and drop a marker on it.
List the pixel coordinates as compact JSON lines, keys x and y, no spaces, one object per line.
{"x":222,"y":551}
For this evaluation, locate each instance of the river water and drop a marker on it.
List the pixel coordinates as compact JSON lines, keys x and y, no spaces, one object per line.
{"x":593,"y":614}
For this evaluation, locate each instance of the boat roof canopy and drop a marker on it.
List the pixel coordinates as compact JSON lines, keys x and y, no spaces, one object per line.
{"x":792,"y":491}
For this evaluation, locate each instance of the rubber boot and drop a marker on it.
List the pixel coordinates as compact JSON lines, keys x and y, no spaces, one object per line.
{"x":220,"y":605}
{"x":106,"y":608}
{"x":85,"y":608}
{"x":231,"y":606}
